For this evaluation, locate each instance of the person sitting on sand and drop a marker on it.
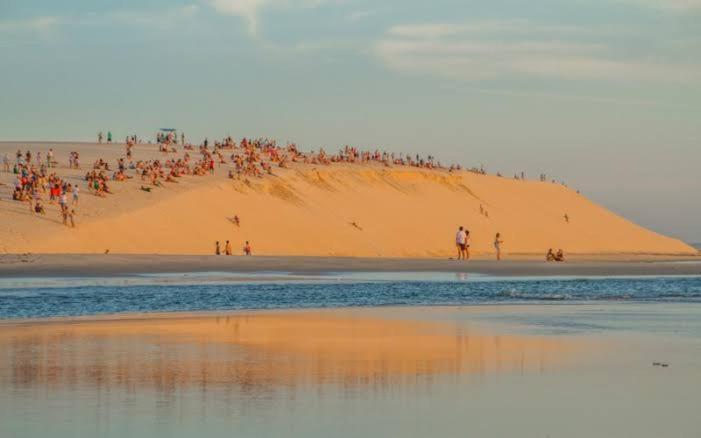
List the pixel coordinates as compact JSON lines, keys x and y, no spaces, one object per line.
{"x":227,"y":248}
{"x":497,"y":245}
{"x":39,"y":208}
{"x":460,"y":239}
{"x":550,"y":256}
{"x":560,"y":256}
{"x":247,"y":251}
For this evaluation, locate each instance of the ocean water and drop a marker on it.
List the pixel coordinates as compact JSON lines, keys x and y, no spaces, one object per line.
{"x":32,"y":298}
{"x":410,"y":355}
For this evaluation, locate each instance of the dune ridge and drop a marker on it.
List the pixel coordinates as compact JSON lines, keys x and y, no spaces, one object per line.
{"x":339,"y":210}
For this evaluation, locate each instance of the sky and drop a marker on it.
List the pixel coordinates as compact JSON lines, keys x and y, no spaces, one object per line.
{"x":603,"y":94}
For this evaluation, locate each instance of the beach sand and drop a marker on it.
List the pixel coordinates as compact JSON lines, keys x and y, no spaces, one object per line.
{"x":310,"y":210}
{"x":100,"y":265}
{"x":405,"y":372}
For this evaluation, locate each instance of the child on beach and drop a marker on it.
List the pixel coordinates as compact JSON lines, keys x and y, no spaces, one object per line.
{"x":466,"y":250}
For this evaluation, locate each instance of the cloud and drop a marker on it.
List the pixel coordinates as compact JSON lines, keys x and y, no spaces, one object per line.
{"x":681,"y":6}
{"x":146,"y":18}
{"x":249,"y":10}
{"x":360,"y":15}
{"x":38,"y":24}
{"x":516,"y":49}
{"x":49,"y":25}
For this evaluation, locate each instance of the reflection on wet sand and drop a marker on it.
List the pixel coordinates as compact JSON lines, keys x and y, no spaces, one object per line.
{"x":255,"y":352}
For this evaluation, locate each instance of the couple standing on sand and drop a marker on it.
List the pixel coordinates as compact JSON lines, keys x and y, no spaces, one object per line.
{"x":462,"y":241}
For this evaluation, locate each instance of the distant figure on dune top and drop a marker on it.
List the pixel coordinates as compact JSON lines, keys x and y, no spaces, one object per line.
{"x":497,"y":245}
{"x":460,"y":241}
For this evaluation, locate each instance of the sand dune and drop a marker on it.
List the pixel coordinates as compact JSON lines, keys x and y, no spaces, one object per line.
{"x":311,"y":210}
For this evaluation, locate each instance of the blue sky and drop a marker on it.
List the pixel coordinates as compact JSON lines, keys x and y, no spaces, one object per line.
{"x":605,"y":94}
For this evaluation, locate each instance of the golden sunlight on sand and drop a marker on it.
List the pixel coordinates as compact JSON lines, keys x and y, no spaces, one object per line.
{"x":360,"y":210}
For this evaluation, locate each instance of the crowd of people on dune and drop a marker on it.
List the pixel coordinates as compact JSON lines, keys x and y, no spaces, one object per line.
{"x":35,"y":180}
{"x":36,"y":177}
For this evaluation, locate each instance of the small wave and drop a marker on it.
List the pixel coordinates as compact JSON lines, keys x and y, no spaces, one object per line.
{"x":515,"y":294}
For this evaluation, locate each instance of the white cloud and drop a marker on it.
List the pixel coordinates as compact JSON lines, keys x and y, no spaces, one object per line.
{"x":516,"y":49}
{"x":249,"y":10}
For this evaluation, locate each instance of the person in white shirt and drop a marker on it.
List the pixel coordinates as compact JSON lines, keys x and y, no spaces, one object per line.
{"x":460,"y":240}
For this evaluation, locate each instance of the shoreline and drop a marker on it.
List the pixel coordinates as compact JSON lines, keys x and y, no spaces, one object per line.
{"x":94,"y":265}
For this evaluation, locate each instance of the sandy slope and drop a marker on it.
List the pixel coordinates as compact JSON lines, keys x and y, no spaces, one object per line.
{"x":309,"y":210}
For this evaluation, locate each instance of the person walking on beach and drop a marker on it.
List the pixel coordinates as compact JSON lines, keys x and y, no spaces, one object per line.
{"x":5,"y":163}
{"x":247,"y":251}
{"x":497,"y":245}
{"x":109,"y":136}
{"x":75,"y":196}
{"x":99,"y":137}
{"x":217,"y":249}
{"x":227,"y":248}
{"x":460,"y":240}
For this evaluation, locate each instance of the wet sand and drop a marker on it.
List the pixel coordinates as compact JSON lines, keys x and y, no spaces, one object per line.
{"x":370,"y":372}
{"x":77,"y":265}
